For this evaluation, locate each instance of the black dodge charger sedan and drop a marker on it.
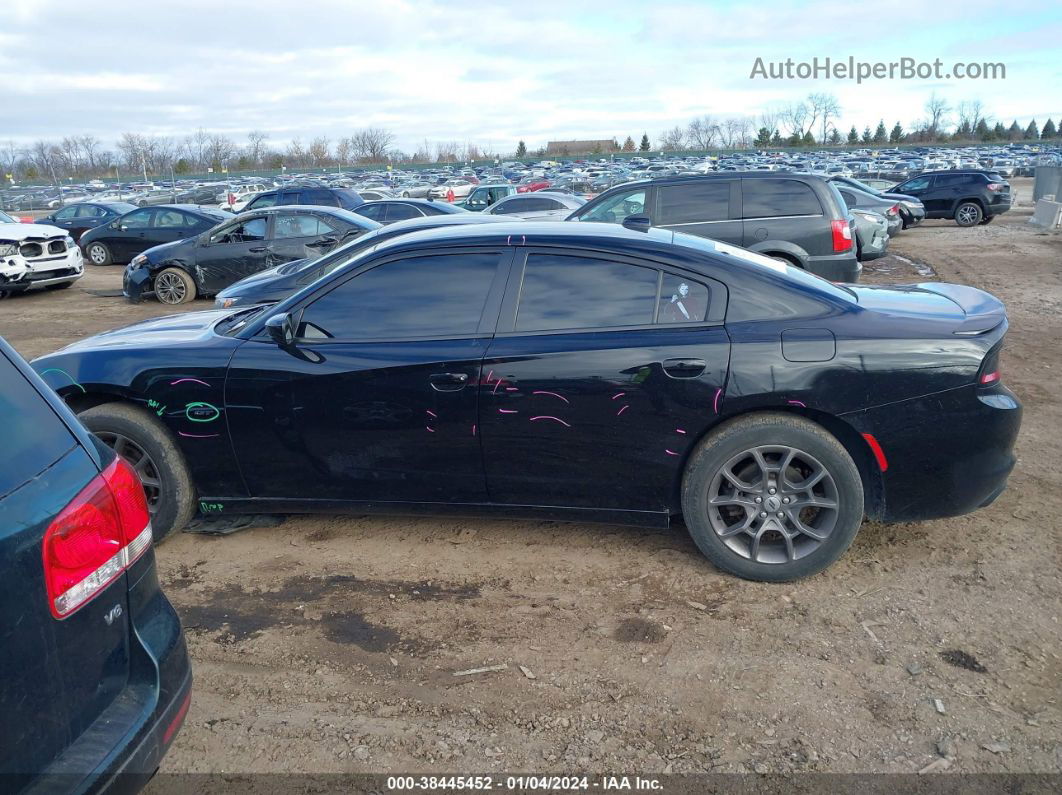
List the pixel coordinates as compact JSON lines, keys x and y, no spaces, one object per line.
{"x":252,"y":241}
{"x":572,"y":371}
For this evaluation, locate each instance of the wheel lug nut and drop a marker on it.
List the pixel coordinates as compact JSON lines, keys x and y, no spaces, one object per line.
{"x":771,"y":491}
{"x":781,"y":515}
{"x":763,"y":514}
{"x":785,"y":500}
{"x":759,"y":499}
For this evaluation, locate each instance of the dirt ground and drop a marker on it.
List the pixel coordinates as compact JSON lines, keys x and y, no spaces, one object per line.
{"x":331,"y":644}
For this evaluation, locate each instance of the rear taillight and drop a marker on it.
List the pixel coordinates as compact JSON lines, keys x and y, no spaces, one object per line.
{"x":95,"y":538}
{"x":996,"y":186}
{"x":990,"y":372}
{"x":893,"y":210}
{"x":842,"y":236}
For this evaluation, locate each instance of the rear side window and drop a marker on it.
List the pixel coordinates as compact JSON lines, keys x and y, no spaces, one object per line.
{"x":267,"y":200}
{"x":950,"y":180}
{"x":34,"y":437}
{"x":692,"y":202}
{"x":401,"y":212}
{"x":319,"y":196}
{"x":299,"y":226}
{"x":770,"y":198}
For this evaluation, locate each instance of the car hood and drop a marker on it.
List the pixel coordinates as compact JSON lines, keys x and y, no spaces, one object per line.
{"x":154,"y":332}
{"x":19,"y":232}
{"x":165,"y":251}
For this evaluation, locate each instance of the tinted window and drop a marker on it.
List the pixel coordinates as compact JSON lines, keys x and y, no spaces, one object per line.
{"x":268,"y":200}
{"x":374,"y":212}
{"x":299,"y":226}
{"x":170,"y":219}
{"x":516,"y":205}
{"x":140,"y":219}
{"x":768,"y":198}
{"x":318,"y":196}
{"x":704,"y":200}
{"x":400,"y":212}
{"x":38,"y":438}
{"x":90,"y":211}
{"x":427,"y":296}
{"x":67,"y":213}
{"x":950,"y":180}
{"x":566,"y":292}
{"x":682,"y":300}
{"x":919,"y":183}
{"x":289,"y":197}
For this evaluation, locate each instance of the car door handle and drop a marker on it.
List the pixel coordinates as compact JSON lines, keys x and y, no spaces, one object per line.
{"x":684,"y":368}
{"x":257,"y":249}
{"x":327,"y":241}
{"x":448,"y":382}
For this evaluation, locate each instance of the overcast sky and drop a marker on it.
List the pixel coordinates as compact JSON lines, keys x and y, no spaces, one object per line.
{"x":491,"y":73}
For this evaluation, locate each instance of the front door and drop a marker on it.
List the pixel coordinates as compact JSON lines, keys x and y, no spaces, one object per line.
{"x":131,"y":235}
{"x":235,"y":250}
{"x":378,"y":398}
{"x":606,"y":374}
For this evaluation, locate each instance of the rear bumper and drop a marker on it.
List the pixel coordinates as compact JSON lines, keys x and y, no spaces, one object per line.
{"x":947,"y":454}
{"x":836,"y":267}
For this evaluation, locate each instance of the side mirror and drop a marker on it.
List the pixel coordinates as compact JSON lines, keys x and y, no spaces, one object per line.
{"x":639,"y":222}
{"x":281,"y":329}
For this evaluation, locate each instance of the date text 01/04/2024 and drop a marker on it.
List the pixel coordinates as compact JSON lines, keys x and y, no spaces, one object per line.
{"x":523,"y":783}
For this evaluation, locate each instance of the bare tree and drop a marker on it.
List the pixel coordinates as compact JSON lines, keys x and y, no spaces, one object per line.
{"x":295,"y":155}
{"x":373,"y":143}
{"x":824,"y":107}
{"x":10,"y":154}
{"x":937,"y":110}
{"x":797,"y":118}
{"x":673,"y":140}
{"x":197,"y":147}
{"x":770,"y":119}
{"x":701,"y":132}
{"x":320,"y":151}
{"x":255,"y":143}
{"x":343,"y":151}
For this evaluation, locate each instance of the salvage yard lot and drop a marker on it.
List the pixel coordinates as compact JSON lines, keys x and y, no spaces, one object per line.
{"x":330,"y":643}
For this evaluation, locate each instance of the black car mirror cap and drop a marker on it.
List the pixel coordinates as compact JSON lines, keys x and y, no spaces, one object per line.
{"x":639,"y":222}
{"x":281,"y":328}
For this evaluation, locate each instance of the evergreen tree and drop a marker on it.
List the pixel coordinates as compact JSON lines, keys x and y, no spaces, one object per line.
{"x":763,"y":138}
{"x":628,"y":144}
{"x":999,"y":132}
{"x":644,"y":145}
{"x":897,"y":134}
{"x":1014,"y":133}
{"x":963,"y":131}
{"x":835,"y":137}
{"x":867,"y":137}
{"x":982,"y":131}
{"x":521,"y":149}
{"x":808,"y":139}
{"x":1049,"y":130}
{"x":1032,"y":132}
{"x":776,"y":139}
{"x":853,"y":136}
{"x":880,"y":136}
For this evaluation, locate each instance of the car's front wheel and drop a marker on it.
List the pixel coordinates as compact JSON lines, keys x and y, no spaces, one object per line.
{"x":968,"y":214}
{"x":99,"y":254}
{"x":143,"y":441}
{"x":772,"y":497}
{"x":174,"y":286}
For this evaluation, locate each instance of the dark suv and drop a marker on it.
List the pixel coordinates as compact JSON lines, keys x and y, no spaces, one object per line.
{"x":94,"y":675}
{"x":328,"y":197}
{"x":969,"y":196}
{"x":798,"y":218}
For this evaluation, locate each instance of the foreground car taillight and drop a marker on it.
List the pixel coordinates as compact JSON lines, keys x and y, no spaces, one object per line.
{"x":104,"y":529}
{"x":893,"y":210}
{"x":996,"y":186}
{"x":990,"y":372}
{"x":842,"y":236}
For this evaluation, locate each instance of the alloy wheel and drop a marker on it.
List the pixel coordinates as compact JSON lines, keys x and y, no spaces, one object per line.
{"x":170,"y":288}
{"x":967,"y":214}
{"x":141,"y":463}
{"x":97,"y":255}
{"x":773,"y":504}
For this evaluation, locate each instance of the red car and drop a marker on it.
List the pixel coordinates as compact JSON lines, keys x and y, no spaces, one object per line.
{"x":528,"y":184}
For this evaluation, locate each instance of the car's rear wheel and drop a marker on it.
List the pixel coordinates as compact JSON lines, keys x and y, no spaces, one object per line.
{"x":143,"y":441}
{"x":968,"y":214}
{"x":99,"y":254}
{"x":772,"y":497}
{"x":174,"y":286}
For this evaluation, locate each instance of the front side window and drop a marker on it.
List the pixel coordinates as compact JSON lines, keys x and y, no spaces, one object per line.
{"x":771,"y":198}
{"x":570,"y":292}
{"x":424,"y":296}
{"x":693,"y":202}
{"x":918,"y":183}
{"x":138,"y":219}
{"x":241,"y":232}
{"x":268,"y":200}
{"x":67,"y":213}
{"x":615,"y":208}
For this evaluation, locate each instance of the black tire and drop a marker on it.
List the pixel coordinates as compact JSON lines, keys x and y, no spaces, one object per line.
{"x":172,"y":500}
{"x":755,"y":554}
{"x":969,"y":214}
{"x":174,"y":286}
{"x":987,"y":220}
{"x":99,"y":254}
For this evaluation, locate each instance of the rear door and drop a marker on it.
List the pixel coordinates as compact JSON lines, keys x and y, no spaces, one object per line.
{"x":57,"y":675}
{"x":784,"y":210}
{"x":945,"y":191}
{"x":169,"y":225}
{"x":707,"y":208}
{"x":602,"y":373}
{"x":298,"y":235}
